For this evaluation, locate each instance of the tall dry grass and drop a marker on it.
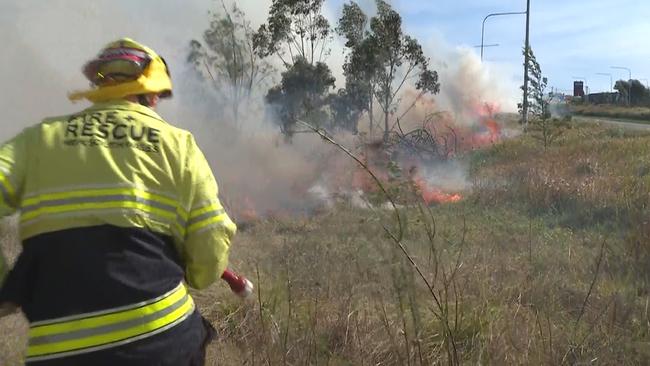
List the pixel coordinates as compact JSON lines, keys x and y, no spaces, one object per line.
{"x":546,"y":262}
{"x":13,"y":328}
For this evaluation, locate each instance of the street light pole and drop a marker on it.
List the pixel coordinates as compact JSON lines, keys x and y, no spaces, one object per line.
{"x":629,"y":86}
{"x":611,"y":80}
{"x":488,"y":45}
{"x":526,"y":53}
{"x":483,"y":26}
{"x":526,"y":56}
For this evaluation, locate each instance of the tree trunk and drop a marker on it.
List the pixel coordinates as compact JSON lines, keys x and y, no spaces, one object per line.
{"x":386,"y":112}
{"x":388,"y":97}
{"x":235,"y":112}
{"x":371,"y":115}
{"x":387,"y":101}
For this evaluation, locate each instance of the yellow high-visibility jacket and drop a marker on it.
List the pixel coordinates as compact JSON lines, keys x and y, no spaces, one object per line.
{"x":118,"y":163}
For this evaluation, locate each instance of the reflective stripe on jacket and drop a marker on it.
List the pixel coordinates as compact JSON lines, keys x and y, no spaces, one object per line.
{"x":118,"y":163}
{"x":116,"y":208}
{"x":90,"y":332}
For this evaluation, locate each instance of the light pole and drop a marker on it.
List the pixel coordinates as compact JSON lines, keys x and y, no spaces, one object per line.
{"x":526,"y":53}
{"x":611,"y":81}
{"x":485,"y":46}
{"x":524,"y":108}
{"x":629,"y":84}
{"x":488,"y":45}
{"x":493,"y":15}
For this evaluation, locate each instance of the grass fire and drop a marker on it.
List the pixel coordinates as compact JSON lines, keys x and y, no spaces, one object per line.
{"x":397,"y":200}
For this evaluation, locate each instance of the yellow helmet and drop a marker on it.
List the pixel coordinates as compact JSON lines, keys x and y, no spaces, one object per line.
{"x":125,"y":67}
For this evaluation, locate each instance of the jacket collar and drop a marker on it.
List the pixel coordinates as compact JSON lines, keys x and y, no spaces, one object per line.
{"x":125,"y":105}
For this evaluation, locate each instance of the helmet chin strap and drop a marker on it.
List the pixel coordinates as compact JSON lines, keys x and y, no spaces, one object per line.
{"x":142,"y":99}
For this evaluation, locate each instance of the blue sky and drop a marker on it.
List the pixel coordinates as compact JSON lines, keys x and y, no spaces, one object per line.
{"x":48,"y":44}
{"x":576,"y":38}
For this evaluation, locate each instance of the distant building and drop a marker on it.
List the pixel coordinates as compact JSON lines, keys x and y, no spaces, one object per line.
{"x":604,"y":98}
{"x":578,"y":89}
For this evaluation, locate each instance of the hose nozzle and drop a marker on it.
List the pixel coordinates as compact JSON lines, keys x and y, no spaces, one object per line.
{"x":240,"y":285}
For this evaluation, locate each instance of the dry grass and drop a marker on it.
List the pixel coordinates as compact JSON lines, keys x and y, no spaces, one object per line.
{"x":13,"y":329}
{"x":612,"y":111}
{"x":547,"y":261}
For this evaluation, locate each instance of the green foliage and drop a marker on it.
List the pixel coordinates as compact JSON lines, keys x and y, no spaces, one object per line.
{"x":637,"y":93}
{"x":352,"y":24}
{"x":297,"y":27}
{"x":227,"y":57}
{"x":381,"y":60}
{"x":359,"y":69}
{"x":400,"y":56}
{"x":537,"y":103}
{"x":343,"y":107}
{"x":362,"y":64}
{"x":302,"y":94}
{"x":298,"y":34}
{"x":540,"y":124}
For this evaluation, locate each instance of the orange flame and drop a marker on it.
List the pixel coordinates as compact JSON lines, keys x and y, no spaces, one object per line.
{"x":339,"y":176}
{"x":246,"y":211}
{"x":434,"y":195}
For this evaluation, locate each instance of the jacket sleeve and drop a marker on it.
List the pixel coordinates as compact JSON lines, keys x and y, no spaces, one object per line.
{"x":208,"y":229}
{"x":12,"y":177}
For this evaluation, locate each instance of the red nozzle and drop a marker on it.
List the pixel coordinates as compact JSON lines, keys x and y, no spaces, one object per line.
{"x":238,"y":284}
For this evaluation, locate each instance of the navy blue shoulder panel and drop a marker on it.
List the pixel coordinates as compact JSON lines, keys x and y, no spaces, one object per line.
{"x":90,"y":269}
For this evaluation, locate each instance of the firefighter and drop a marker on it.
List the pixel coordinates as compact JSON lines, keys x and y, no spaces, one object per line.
{"x":118,"y":210}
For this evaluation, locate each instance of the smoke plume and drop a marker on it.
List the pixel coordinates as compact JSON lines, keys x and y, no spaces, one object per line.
{"x":46,"y":43}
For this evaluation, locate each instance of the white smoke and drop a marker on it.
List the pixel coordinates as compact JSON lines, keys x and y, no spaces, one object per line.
{"x":466,"y":82}
{"x":45,"y":45}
